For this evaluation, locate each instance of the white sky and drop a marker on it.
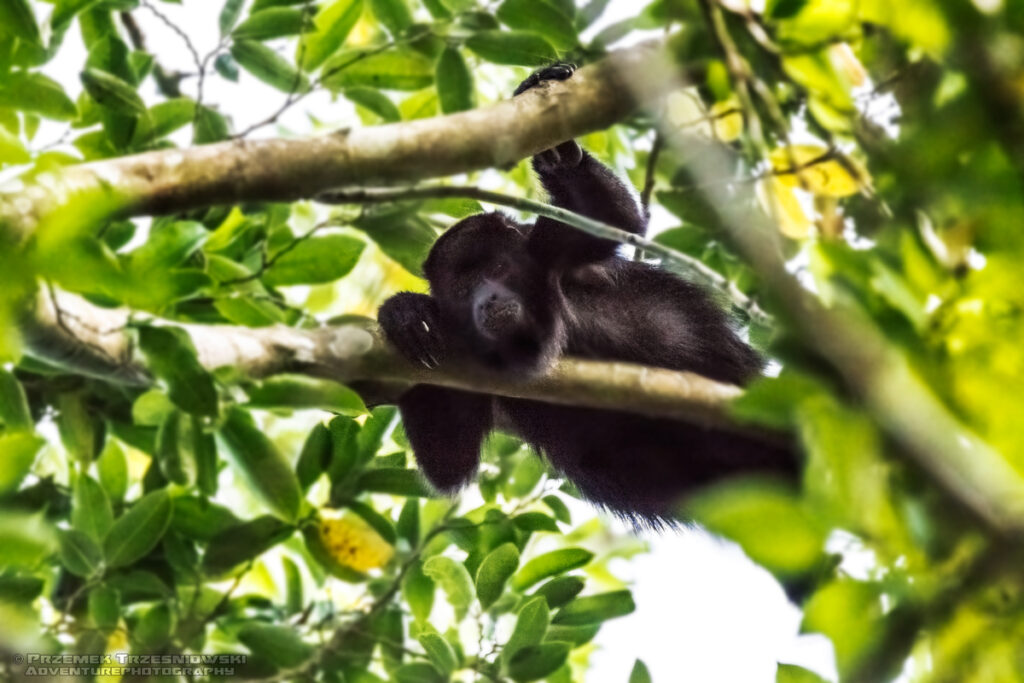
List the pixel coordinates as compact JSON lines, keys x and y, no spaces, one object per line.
{"x":704,"y":612}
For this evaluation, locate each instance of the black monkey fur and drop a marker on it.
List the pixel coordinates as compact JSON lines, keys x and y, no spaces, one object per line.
{"x":515,"y":297}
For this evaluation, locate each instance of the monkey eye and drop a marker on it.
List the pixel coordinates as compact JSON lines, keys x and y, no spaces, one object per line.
{"x":499,"y":266}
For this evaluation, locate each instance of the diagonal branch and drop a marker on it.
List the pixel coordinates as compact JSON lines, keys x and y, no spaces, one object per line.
{"x":176,"y":180}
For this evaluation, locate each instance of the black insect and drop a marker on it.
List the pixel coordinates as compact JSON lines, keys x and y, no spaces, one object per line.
{"x":515,"y":297}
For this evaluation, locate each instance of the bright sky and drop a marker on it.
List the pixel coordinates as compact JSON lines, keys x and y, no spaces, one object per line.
{"x":704,"y":612}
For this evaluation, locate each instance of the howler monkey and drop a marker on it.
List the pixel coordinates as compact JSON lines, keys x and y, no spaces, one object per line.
{"x":515,"y":297}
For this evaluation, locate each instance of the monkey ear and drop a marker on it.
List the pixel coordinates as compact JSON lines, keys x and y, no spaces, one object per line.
{"x":446,"y":428}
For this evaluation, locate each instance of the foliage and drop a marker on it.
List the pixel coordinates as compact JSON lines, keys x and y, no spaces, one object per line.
{"x":213,"y":513}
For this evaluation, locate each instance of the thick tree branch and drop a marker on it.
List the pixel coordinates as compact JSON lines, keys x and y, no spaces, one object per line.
{"x":67,"y":331}
{"x":174,"y":180}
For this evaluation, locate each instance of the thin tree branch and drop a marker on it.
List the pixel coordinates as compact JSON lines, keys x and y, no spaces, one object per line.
{"x":697,"y":269}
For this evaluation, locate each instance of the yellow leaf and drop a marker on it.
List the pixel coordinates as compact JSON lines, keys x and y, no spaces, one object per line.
{"x":352,"y":542}
{"x":826,"y":177}
{"x":780,"y":202}
{"x":728,"y":119}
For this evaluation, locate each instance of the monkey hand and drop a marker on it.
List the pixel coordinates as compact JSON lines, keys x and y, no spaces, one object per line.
{"x":412,"y":324}
{"x":568,"y":154}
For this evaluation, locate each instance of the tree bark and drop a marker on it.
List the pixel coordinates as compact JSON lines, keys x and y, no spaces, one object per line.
{"x":498,"y":136}
{"x":67,"y":331}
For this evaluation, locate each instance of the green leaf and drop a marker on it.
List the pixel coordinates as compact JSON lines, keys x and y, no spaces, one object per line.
{"x":200,"y":519}
{"x":639,"y":674}
{"x":38,"y":94}
{"x":151,"y":408}
{"x":437,"y":9}
{"x":240,"y":543}
{"x":381,"y":524}
{"x":17,"y":20}
{"x":453,"y":577}
{"x":275,"y":22}
{"x":539,"y":16}
{"x":495,"y":569}
{"x":314,"y":457}
{"x":455,"y":89}
{"x":163,"y":119}
{"x":19,"y":449}
{"x":154,"y":628}
{"x":171,"y":357}
{"x":331,"y":26}
{"x":511,"y":47}
{"x":268,"y":66}
{"x":596,"y":608}
{"x":300,"y":391}
{"x":323,"y":258}
{"x":791,"y":673}
{"x":11,"y":149}
{"x":204,"y":450}
{"x":293,"y":586}
{"x":105,"y":607}
{"x":226,"y":66}
{"x":783,"y":9}
{"x":25,"y":539}
{"x":112,"y":467}
{"x":550,"y":564}
{"x":91,"y":512}
{"x":559,"y":508}
{"x":538,"y":661}
{"x":559,"y":591}
{"x":850,"y":613}
{"x":393,"y":480}
{"x":402,"y":235}
{"x":767,"y":520}
{"x":169,"y":449}
{"x":439,"y":652}
{"x":418,"y":672}
{"x":113,"y":93}
{"x":77,"y":427}
{"x":280,"y":644}
{"x":79,"y":554}
{"x":20,"y":589}
{"x":397,"y":69}
{"x":210,"y":126}
{"x":375,"y":101}
{"x":109,"y":54}
{"x":138,"y":531}
{"x":261,"y":463}
{"x":535,"y":521}
{"x":532,"y":623}
{"x":345,"y":453}
{"x":167,"y":246}
{"x":394,"y":14}
{"x":229,"y":14}
{"x":418,"y":592}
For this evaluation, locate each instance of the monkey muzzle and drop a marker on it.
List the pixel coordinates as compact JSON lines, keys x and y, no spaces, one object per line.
{"x":498,"y":312}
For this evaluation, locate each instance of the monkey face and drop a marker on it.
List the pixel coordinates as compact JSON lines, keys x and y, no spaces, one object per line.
{"x":496,"y":294}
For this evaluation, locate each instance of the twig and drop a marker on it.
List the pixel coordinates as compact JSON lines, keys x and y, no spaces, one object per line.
{"x":168,"y":82}
{"x":698,"y":270}
{"x":649,"y":179}
{"x":267,"y":264}
{"x":294,"y":97}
